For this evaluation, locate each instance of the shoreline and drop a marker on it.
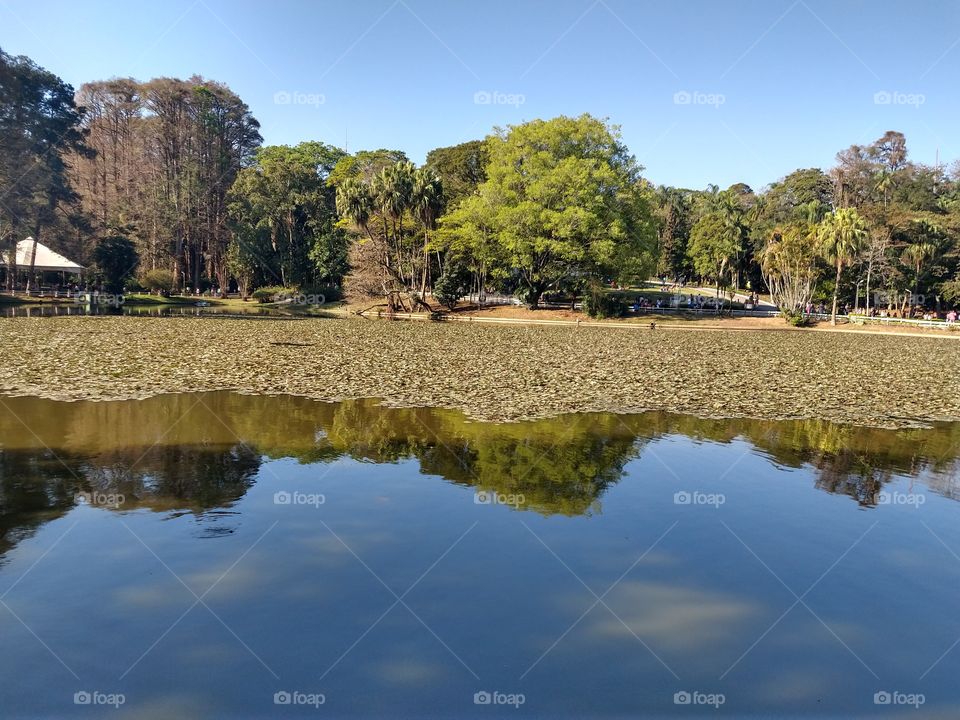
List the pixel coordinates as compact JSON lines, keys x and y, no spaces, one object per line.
{"x":492,"y":372}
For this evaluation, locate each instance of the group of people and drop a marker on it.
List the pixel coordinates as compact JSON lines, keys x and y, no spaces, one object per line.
{"x":821,"y":308}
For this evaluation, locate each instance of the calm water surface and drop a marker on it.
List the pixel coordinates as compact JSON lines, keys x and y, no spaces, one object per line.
{"x":217,"y":555}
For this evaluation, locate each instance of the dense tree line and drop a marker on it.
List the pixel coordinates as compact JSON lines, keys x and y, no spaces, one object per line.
{"x":165,"y":155}
{"x":877,"y":232}
{"x":165,"y":184}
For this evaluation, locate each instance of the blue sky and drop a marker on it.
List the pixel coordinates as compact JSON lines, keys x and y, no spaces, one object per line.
{"x":705,"y":92}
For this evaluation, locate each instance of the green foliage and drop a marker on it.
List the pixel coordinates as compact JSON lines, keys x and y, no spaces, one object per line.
{"x":841,"y":235}
{"x":599,"y":303}
{"x":116,"y":258}
{"x":452,"y":285}
{"x":951,"y":291}
{"x":40,"y":127}
{"x":796,"y":319}
{"x":563,"y":198}
{"x":789,"y":265}
{"x":272,"y":293}
{"x":462,"y":168}
{"x":715,"y":243}
{"x":284,"y":216}
{"x":159,"y":280}
{"x":329,"y":293}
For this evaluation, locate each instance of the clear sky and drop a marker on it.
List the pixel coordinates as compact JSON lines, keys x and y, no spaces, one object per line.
{"x":705,"y":91}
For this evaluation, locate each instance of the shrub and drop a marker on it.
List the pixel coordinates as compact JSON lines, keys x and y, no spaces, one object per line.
{"x":452,"y":285}
{"x":600,"y":304}
{"x":270,"y":293}
{"x":159,"y":280}
{"x":329,"y":292}
{"x":797,"y":319}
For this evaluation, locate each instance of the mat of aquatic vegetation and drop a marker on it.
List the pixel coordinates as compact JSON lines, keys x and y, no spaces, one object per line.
{"x":490,"y":372}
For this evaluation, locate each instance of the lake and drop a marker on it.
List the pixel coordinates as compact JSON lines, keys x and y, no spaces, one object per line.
{"x":231,"y":555}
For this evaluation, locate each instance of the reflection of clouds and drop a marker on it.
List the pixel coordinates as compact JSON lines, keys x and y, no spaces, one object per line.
{"x":153,"y":597}
{"x":408,"y":671}
{"x":245,"y":577}
{"x":321,"y":546}
{"x":783,"y":685}
{"x":172,"y":705}
{"x":673,"y":618}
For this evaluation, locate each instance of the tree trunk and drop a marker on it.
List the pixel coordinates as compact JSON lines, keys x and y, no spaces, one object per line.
{"x":836,"y":288}
{"x":33,"y":255}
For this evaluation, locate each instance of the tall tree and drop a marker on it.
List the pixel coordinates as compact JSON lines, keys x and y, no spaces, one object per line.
{"x":565,"y":201}
{"x":284,"y":195}
{"x":40,"y":126}
{"x":841,"y":236}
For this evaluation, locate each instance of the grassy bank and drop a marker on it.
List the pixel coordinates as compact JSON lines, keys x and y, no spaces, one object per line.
{"x":491,"y":372}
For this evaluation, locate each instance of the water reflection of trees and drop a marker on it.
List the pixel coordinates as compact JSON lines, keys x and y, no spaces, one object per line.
{"x":193,"y":453}
{"x":37,"y":487}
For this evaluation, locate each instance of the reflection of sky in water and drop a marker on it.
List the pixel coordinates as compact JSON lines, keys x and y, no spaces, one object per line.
{"x":290,"y":592}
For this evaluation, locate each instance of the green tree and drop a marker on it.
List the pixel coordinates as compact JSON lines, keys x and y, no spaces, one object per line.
{"x":285,"y":194}
{"x":116,"y":258}
{"x":565,"y":202}
{"x":714,"y":247}
{"x":841,"y":236}
{"x":789,"y":265}
{"x":462,"y":168}
{"x":158,"y":279}
{"x":40,"y":127}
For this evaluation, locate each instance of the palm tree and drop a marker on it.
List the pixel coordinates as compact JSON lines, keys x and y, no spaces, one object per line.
{"x":917,"y":254}
{"x":395,"y":188}
{"x":355,"y":202}
{"x":841,"y":236}
{"x":883,"y":183}
{"x":426,"y":200}
{"x":731,"y":210}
